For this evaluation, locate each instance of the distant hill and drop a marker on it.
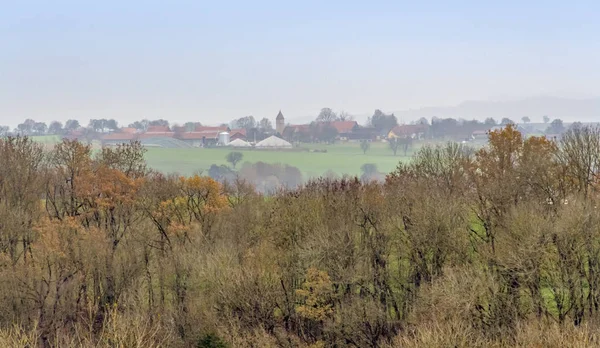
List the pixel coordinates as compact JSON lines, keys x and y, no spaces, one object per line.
{"x":569,"y":110}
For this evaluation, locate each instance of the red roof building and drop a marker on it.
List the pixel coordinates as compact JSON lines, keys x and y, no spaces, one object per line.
{"x":205,"y":128}
{"x":158,"y":129}
{"x":119,"y":137}
{"x":299,"y":132}
{"x":408,"y":131}
{"x":344,"y":127}
{"x":128,"y":130}
{"x":237,"y":134}
{"x":201,"y":135}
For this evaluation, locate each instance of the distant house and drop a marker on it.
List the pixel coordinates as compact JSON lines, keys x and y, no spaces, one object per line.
{"x":129,"y":130}
{"x":75,"y":133}
{"x":157,"y":132}
{"x":118,"y":138}
{"x":237,"y":134}
{"x":297,"y":133}
{"x":480,"y":135}
{"x":496,"y":128}
{"x":127,"y":134}
{"x":158,"y":129}
{"x":364,"y":133}
{"x":202,"y":136}
{"x":344,"y":128}
{"x":414,"y":131}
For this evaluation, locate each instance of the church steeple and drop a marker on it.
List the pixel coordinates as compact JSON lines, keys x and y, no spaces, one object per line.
{"x":279,"y":123}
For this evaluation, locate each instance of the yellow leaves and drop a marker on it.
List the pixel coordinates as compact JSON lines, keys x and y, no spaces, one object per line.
{"x":316,"y":291}
{"x":204,"y":193}
{"x":199,"y":200}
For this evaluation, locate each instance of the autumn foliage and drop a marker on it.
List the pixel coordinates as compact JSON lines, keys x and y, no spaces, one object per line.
{"x":494,"y":247}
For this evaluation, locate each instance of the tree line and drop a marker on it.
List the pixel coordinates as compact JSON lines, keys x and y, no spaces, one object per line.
{"x":319,"y":130}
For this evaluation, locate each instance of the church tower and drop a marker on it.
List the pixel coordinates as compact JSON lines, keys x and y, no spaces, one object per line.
{"x":279,"y":123}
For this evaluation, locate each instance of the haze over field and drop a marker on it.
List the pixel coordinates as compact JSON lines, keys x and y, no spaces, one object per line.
{"x":213,"y":61}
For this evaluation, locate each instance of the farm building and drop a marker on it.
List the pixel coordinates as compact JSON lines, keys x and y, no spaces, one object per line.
{"x":363,"y":133}
{"x":415,"y":131}
{"x":301,"y":133}
{"x":239,"y":143}
{"x":237,"y":134}
{"x":344,"y":128}
{"x":202,"y":136}
{"x":273,"y":142}
{"x":117,"y":138}
{"x":480,"y":135}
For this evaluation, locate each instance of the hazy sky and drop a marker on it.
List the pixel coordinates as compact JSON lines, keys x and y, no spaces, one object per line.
{"x":212,"y":61}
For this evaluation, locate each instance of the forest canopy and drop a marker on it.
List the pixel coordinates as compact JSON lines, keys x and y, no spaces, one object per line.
{"x":487,"y":248}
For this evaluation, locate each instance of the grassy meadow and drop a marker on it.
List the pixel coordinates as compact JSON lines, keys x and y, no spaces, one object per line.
{"x":46,"y":139}
{"x":343,"y":158}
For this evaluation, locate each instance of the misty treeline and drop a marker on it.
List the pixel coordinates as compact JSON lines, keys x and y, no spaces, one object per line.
{"x":319,"y":130}
{"x":265,"y":178}
{"x":458,"y":248}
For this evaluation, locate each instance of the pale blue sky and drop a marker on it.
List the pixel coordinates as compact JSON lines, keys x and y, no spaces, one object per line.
{"x":215,"y":61}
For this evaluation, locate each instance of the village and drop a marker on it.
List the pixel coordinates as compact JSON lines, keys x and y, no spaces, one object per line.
{"x":283,"y":136}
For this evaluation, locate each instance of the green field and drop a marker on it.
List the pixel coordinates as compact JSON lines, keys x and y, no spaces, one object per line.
{"x":341,"y":158}
{"x":345,"y":158}
{"x":46,"y":139}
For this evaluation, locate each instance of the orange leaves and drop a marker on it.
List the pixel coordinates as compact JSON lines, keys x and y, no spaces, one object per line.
{"x":507,"y":151}
{"x":511,"y":168}
{"x":113,"y":187}
{"x":113,"y":190}
{"x":536,"y":148}
{"x":504,"y":148}
{"x":81,"y":186}
{"x":507,"y":138}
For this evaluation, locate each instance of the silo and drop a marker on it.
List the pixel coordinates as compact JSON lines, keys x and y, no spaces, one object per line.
{"x":223,"y":138}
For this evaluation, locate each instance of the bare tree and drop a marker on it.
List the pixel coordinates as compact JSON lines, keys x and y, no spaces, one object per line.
{"x":365,"y":146}
{"x":344,"y":116}
{"x":393,"y":142}
{"x":327,"y":115}
{"x":580,"y":157}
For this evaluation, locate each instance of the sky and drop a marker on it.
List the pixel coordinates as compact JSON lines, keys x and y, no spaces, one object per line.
{"x":214,"y":61}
